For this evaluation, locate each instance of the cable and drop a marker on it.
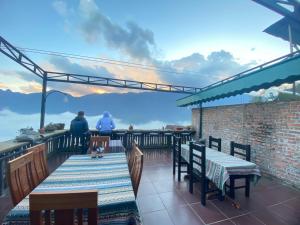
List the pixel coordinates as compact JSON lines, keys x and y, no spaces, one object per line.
{"x":102,"y":60}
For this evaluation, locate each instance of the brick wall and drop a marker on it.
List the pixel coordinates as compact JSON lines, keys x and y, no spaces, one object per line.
{"x":272,"y":129}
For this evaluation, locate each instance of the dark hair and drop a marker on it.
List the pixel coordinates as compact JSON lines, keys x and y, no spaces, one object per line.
{"x":80,"y":113}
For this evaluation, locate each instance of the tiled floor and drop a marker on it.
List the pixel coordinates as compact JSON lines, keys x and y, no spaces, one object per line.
{"x":163,"y":201}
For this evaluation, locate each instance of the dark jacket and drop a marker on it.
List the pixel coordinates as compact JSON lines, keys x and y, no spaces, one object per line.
{"x":79,"y":126}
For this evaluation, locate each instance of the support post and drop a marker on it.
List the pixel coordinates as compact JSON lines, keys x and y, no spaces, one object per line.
{"x":200,"y":120}
{"x":291,"y":51}
{"x":43,"y":101}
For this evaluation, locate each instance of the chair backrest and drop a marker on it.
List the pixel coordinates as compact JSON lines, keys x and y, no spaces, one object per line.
{"x":64,"y":206}
{"x":240,"y":149}
{"x":136,"y":170}
{"x":100,"y":141}
{"x":198,"y":157}
{"x":214,"y":143}
{"x":176,"y":147}
{"x":132,"y":155}
{"x":20,"y":177}
{"x":40,"y":165}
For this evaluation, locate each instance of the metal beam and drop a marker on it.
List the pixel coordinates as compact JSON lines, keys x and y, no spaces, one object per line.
{"x":10,"y":51}
{"x":119,"y":83}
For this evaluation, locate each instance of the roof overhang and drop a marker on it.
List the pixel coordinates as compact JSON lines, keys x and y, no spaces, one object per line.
{"x":285,"y":69}
{"x":281,"y":29}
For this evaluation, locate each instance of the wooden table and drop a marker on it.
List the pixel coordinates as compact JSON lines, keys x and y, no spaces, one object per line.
{"x":219,"y":166}
{"x":109,"y":175}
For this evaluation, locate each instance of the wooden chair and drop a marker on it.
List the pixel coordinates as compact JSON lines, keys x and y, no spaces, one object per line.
{"x":132,"y":154}
{"x":214,"y":143}
{"x":244,"y":151}
{"x":20,"y":177}
{"x":136,"y":170}
{"x":63,"y":205}
{"x":100,"y":141}
{"x":177,"y":158}
{"x":40,"y":165}
{"x":198,"y":160}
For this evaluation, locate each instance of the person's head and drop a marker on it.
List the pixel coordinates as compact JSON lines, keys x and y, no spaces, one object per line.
{"x":80,"y":114}
{"x":106,"y":114}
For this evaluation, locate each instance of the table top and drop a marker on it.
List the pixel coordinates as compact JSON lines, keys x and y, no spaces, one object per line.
{"x":219,"y":166}
{"x":109,"y":175}
{"x":116,"y":146}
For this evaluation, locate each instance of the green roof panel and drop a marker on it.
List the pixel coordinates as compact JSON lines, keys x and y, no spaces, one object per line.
{"x":287,"y":70}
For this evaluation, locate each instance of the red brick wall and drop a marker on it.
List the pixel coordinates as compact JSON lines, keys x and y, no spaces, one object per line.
{"x":272,"y":130}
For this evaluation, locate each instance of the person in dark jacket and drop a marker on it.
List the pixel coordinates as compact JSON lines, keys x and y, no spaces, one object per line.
{"x":79,"y":128}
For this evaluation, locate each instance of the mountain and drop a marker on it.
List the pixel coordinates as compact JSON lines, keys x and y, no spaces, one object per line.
{"x":129,"y":107}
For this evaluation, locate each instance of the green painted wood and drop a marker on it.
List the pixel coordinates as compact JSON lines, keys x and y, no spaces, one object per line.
{"x":285,"y":71}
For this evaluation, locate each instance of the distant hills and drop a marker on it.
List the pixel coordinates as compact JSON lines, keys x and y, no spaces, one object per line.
{"x":129,"y":107}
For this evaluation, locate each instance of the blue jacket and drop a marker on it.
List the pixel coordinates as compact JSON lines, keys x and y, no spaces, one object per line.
{"x":105,"y":124}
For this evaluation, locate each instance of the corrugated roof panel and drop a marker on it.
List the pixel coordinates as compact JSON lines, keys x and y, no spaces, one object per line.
{"x":285,"y":71}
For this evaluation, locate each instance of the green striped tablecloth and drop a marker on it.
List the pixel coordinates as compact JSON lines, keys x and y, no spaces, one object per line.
{"x":109,"y":175}
{"x":116,"y":146}
{"x":219,"y":166}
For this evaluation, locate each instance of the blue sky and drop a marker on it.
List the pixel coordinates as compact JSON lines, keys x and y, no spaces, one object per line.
{"x":213,"y":38}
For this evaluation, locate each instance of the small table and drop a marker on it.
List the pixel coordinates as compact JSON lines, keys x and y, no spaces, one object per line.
{"x":219,"y":166}
{"x":109,"y":175}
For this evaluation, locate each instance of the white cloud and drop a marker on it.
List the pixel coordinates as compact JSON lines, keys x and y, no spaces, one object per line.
{"x":60,"y":7}
{"x":12,"y":122}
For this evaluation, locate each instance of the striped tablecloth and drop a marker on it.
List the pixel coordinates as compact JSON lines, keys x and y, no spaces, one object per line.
{"x":116,"y":146}
{"x":109,"y":175}
{"x":219,"y":166}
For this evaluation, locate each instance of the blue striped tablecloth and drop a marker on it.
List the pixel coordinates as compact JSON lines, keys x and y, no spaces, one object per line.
{"x":116,"y":146}
{"x":109,"y":175}
{"x":219,"y":166}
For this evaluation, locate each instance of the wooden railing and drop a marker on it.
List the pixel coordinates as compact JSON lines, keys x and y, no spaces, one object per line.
{"x":62,"y":141}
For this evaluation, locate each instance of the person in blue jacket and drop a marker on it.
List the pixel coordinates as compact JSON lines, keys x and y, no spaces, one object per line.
{"x":105,"y":124}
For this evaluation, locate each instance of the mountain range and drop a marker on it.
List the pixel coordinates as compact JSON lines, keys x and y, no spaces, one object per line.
{"x":129,"y":107}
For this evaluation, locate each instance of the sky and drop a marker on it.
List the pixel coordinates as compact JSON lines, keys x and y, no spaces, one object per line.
{"x":203,"y":40}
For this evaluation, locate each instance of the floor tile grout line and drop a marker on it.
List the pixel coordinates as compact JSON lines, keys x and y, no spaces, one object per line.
{"x":282,"y":202}
{"x":227,"y":219}
{"x":196,"y":213}
{"x":219,"y":209}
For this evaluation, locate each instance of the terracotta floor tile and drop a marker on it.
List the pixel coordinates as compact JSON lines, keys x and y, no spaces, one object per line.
{"x":184,"y":215}
{"x":172,"y":199}
{"x":208,"y":213}
{"x":287,"y":214}
{"x":150,"y":203}
{"x":165,"y":186}
{"x":267,"y":217}
{"x":146,"y":188}
{"x":225,"y":222}
{"x":293,"y":204}
{"x":247,"y":220}
{"x":156,"y":218}
{"x":228,"y":209}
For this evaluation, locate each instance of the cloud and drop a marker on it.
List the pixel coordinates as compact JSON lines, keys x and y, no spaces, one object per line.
{"x":60,"y":7}
{"x":216,"y":66}
{"x":131,"y":39}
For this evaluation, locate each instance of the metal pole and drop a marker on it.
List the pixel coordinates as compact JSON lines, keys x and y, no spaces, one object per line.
{"x":43,"y":102}
{"x":200,"y":120}
{"x":291,"y":51}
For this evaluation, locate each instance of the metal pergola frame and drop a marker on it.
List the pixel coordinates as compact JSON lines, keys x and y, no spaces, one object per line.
{"x":16,"y":55}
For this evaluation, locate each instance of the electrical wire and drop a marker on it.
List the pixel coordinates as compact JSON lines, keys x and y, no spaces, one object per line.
{"x":102,"y":60}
